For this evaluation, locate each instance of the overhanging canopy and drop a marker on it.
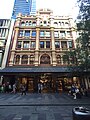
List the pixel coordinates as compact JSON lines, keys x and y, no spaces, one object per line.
{"x":50,"y":69}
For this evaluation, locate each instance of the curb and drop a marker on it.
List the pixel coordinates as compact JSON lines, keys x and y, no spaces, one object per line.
{"x":44,"y":104}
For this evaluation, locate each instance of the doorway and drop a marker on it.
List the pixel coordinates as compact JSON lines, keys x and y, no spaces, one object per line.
{"x":46,"y":83}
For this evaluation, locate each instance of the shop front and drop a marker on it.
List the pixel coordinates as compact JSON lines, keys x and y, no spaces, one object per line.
{"x":43,"y":80}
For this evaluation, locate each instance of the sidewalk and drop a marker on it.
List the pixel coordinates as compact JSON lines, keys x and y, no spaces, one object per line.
{"x":43,"y":99}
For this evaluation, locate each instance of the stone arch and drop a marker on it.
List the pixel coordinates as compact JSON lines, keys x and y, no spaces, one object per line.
{"x":24,"y":59}
{"x":58,"y":57}
{"x":17,"y":59}
{"x":65,"y":59}
{"x":45,"y":59}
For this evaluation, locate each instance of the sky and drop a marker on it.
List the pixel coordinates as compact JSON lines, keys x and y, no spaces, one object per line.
{"x":59,"y":7}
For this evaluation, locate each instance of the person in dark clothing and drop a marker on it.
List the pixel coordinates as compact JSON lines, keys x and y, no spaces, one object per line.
{"x":23,"y":89}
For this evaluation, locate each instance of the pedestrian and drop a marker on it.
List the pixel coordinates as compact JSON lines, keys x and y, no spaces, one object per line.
{"x":39,"y":87}
{"x":14,"y":88}
{"x":23,"y":89}
{"x":10,"y":88}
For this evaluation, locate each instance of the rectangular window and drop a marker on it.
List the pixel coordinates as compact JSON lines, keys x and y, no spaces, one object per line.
{"x":47,"y":34}
{"x":41,"y":44}
{"x":1,"y":57}
{"x":27,"y":33}
{"x":64,"y":44}
{"x":33,"y":45}
{"x":20,"y":33}
{"x":26,"y":44}
{"x":33,"y":33}
{"x":47,"y":44}
{"x":57,"y":44}
{"x":2,"y":43}
{"x":19,"y":44}
{"x":41,"y":33}
{"x":70,"y":44}
{"x":2,"y":32}
{"x":62,"y":34}
{"x":69,"y":34}
{"x":56,"y":34}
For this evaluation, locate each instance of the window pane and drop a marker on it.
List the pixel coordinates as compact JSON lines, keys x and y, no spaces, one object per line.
{"x":24,"y":59}
{"x":41,"y":33}
{"x":47,"y":34}
{"x":41,"y":44}
{"x":57,"y":44}
{"x":23,"y":24}
{"x":70,"y":44}
{"x":17,"y":59}
{"x":19,"y":44}
{"x":56,"y":34}
{"x":64,"y":44}
{"x":20,"y":33}
{"x":34,"y":23}
{"x":27,"y":23}
{"x":1,"y":56}
{"x":26,"y":44}
{"x":47,"y":44}
{"x":27,"y":33}
{"x":33,"y":33}
{"x":33,"y":45}
{"x":31,"y":59}
{"x":68,"y":33}
{"x":62,"y":33}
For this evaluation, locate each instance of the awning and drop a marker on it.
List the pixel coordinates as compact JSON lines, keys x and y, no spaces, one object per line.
{"x":50,"y":69}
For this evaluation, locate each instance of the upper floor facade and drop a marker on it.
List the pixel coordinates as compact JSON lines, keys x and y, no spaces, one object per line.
{"x":42,"y":39}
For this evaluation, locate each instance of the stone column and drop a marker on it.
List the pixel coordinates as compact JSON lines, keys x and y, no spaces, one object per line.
{"x":13,"y":47}
{"x":28,"y":59}
{"x":37,"y":47}
{"x":53,"y":48}
{"x":61,"y":59}
{"x":20,"y":59}
{"x":22,"y":45}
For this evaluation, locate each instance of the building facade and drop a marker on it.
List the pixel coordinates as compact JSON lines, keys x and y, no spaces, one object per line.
{"x":25,"y":7}
{"x":38,"y":53}
{"x":4,"y":31}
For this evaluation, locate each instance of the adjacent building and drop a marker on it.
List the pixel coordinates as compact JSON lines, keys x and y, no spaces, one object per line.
{"x":26,"y":7}
{"x":4,"y":31}
{"x":38,"y":53}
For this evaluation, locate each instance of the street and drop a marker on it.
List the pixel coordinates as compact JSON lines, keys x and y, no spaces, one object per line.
{"x":39,"y":106}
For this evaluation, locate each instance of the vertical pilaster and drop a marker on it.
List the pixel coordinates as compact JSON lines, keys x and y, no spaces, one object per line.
{"x":53,"y":48}
{"x":37,"y":47}
{"x":20,"y":59}
{"x":13,"y":48}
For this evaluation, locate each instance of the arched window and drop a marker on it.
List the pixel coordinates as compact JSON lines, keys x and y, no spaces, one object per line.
{"x":71,"y":59}
{"x":45,"y":59}
{"x":65,"y":59}
{"x":55,"y":24}
{"x":32,"y":58}
{"x":27,"y":23}
{"x":58,"y":59}
{"x":22,"y":23}
{"x":34,"y":23}
{"x":24,"y":59}
{"x":30,"y":23}
{"x":44,"y":23}
{"x":66,"y":24}
{"x":17,"y":59}
{"x":41,"y":23}
{"x":59,"y":23}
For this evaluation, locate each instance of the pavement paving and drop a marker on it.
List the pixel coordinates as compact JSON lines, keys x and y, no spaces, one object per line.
{"x":33,"y":106}
{"x":43,"y":99}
